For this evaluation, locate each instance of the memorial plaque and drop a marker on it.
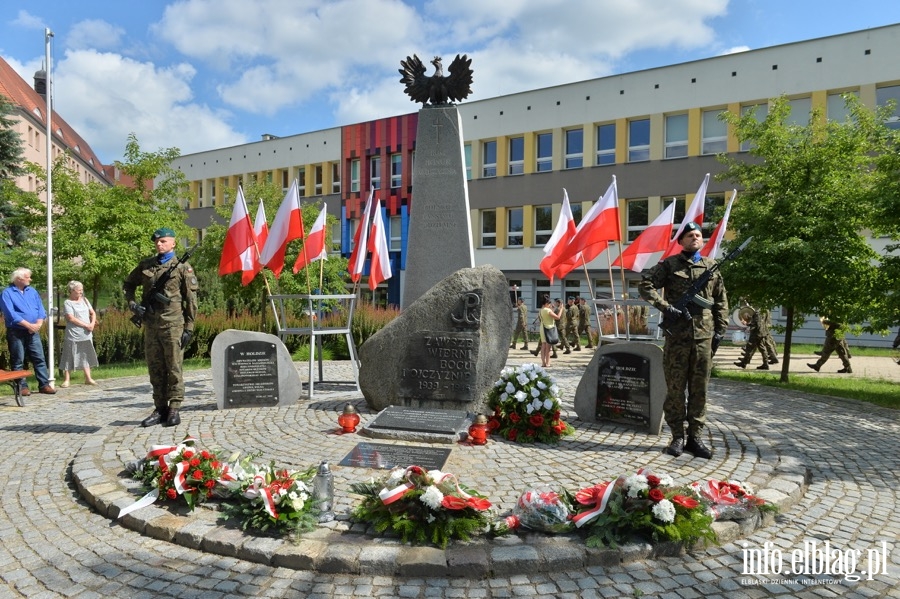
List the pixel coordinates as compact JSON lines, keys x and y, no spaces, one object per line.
{"x":384,"y":456}
{"x":251,"y":375}
{"x":439,"y":367}
{"x":623,"y":388}
{"x":401,"y":418}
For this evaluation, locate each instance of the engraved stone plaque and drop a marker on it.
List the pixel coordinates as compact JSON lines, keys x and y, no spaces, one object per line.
{"x":251,"y":375}
{"x":623,"y":389}
{"x":402,"y":418}
{"x":439,"y":367}
{"x":384,"y":456}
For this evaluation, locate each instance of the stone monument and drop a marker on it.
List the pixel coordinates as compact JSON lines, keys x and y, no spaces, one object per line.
{"x":440,"y":228}
{"x":445,"y":350}
{"x":253,"y":370}
{"x":624,"y":384}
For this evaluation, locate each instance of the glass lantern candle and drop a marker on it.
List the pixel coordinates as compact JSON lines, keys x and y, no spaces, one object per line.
{"x":349,"y":419}
{"x":478,"y":432}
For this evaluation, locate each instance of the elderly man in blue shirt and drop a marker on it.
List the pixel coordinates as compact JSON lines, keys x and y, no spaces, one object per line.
{"x":24,"y":314}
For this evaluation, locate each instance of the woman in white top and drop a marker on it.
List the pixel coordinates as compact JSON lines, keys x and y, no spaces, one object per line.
{"x":78,"y":344}
{"x":548,"y":321}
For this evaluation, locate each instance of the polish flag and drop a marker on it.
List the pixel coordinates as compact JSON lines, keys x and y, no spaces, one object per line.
{"x":250,"y":257}
{"x":239,"y":239}
{"x":380,"y":269}
{"x":562,"y":235}
{"x":694,"y":213}
{"x":314,"y":246}
{"x":360,"y":242}
{"x":598,"y":227}
{"x":287,"y":226}
{"x":653,"y":239}
{"x":711,"y":248}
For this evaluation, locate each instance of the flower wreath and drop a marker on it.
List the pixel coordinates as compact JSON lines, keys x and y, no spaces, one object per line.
{"x":526,"y":406}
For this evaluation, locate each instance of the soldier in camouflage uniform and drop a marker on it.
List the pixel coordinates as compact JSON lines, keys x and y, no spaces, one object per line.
{"x":563,"y":326}
{"x":767,"y":345}
{"x":573,"y":314}
{"x":168,"y":319}
{"x":759,"y":336}
{"x":521,"y":324}
{"x":834,"y":341}
{"x":584,"y":322}
{"x":690,"y":343}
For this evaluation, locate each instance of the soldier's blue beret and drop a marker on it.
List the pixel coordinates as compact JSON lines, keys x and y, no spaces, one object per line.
{"x":162,"y":232}
{"x":691,"y":226}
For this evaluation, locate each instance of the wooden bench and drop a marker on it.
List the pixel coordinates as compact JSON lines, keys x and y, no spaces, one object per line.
{"x":13,"y":377}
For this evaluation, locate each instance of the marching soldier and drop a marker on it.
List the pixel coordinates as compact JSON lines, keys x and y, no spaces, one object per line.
{"x":584,"y":322}
{"x":834,"y":341}
{"x":521,"y":324}
{"x":573,"y":315}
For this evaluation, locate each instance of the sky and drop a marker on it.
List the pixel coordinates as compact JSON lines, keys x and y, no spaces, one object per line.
{"x":204,"y":74}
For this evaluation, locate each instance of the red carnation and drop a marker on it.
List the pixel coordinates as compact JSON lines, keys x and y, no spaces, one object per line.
{"x":655,"y":495}
{"x":653,"y":480}
{"x":205,"y":454}
{"x":195,"y":462}
{"x":197,"y":474}
{"x":478,"y":503}
{"x":511,"y":435}
{"x":171,"y":493}
{"x":684,"y":501}
{"x":452,"y":502}
{"x":210,"y":484}
{"x":556,"y":415}
{"x":536,"y":420}
{"x":493,"y":424}
{"x":515,"y":417}
{"x":187,"y":454}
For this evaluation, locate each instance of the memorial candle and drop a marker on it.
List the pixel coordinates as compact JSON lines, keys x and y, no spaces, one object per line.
{"x":348,"y":419}
{"x":479,"y":430}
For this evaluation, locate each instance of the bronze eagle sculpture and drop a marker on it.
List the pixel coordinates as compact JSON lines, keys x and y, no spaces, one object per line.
{"x":437,"y":89}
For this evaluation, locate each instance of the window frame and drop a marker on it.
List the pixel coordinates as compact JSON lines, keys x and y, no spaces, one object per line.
{"x":354,"y":174}
{"x":676,"y":140}
{"x":489,"y":152}
{"x":543,"y":162}
{"x":632,"y":228}
{"x":487,"y":235}
{"x":542,"y":233}
{"x":638,"y":152}
{"x":574,"y":157}
{"x":375,"y":171}
{"x":512,"y":233}
{"x":713,"y":144}
{"x":516,"y":156}
{"x":603,"y":152}
{"x":396,"y":170}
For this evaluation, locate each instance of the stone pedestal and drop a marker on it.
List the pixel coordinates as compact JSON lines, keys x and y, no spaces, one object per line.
{"x":440,"y":228}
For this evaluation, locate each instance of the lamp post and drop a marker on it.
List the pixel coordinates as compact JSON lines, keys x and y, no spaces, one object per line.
{"x":51,"y":331}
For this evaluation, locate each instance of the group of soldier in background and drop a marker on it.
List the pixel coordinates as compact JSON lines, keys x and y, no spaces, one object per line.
{"x":760,"y":324}
{"x":574,"y":322}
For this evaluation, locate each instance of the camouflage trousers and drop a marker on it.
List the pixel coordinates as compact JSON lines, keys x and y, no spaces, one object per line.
{"x":164,"y":360}
{"x":572,"y":335}
{"x":520,"y":330}
{"x":686,"y":365}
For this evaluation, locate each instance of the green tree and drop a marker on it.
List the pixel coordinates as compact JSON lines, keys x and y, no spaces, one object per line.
{"x":886,"y":200}
{"x":13,"y":228}
{"x":10,"y":142}
{"x":234,"y":297}
{"x":807,"y":204}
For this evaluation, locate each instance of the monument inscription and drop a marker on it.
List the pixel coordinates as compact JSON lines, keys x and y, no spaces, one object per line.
{"x":420,"y":420}
{"x":382,"y":455}
{"x":623,"y":388}
{"x":251,"y":375}
{"x":440,"y":366}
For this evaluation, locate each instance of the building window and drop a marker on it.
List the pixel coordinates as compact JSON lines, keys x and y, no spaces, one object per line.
{"x":799,"y":115}
{"x":515,"y":290}
{"x":714,"y":139}
{"x":676,"y":136}
{"x":318,"y":174}
{"x":335,"y":177}
{"x":760,"y":112}
{"x":882,"y":95}
{"x":516,"y":155}
{"x":354,"y":174}
{"x":301,"y":180}
{"x":543,"y":224}
{"x":544,"y":152}
{"x":542,"y":287}
{"x":639,"y":140}
{"x":572,"y":289}
{"x":636,"y":217}
{"x":396,"y":170}
{"x":576,"y":212}
{"x":515,"y":227}
{"x":606,"y":144}
{"x":212,"y":195}
{"x":396,"y":232}
{"x":488,"y":228}
{"x":375,"y":171}
{"x":836,"y":107}
{"x":335,"y":238}
{"x":489,"y":159}
{"x":713,"y":211}
{"x":467,"y":150}
{"x":285,"y":181}
{"x":574,"y":148}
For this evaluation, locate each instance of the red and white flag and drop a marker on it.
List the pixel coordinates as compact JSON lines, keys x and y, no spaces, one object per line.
{"x":711,"y":248}
{"x":239,"y":240}
{"x":357,"y":261}
{"x":314,"y":246}
{"x":380,"y":269}
{"x":559,"y":240}
{"x":250,"y":257}
{"x":653,"y":239}
{"x":598,"y":227}
{"x":287,"y":226}
{"x":694,"y":213}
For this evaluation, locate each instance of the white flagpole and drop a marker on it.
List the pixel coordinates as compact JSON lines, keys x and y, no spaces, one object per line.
{"x":51,"y":328}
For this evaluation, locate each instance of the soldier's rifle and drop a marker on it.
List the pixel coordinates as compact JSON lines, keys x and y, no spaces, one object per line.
{"x":155,"y":293}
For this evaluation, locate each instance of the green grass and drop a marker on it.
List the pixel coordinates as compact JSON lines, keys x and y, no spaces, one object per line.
{"x":879,"y":392}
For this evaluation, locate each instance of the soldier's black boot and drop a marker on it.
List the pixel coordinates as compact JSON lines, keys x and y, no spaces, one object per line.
{"x":765,"y":366}
{"x":535,"y":353}
{"x":696,"y":447}
{"x":173,"y":419}
{"x":155,"y":418}
{"x":740,"y":364}
{"x":846,"y":370}
{"x":676,"y":446}
{"x":814,"y":366}
{"x":525,"y":347}
{"x":513,"y":346}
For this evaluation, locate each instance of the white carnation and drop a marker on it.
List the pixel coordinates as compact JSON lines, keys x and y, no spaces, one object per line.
{"x":432,"y":497}
{"x":521,"y":396}
{"x":535,"y":393}
{"x":522,"y":378}
{"x":548,"y":404}
{"x":529,"y":408}
{"x":664,"y":511}
{"x":510,"y":388}
{"x":635,"y":484}
{"x":541,"y":385}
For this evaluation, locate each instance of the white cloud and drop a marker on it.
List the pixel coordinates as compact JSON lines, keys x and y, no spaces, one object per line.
{"x":27,"y":20}
{"x":94,"y":34}
{"x":735,"y":50}
{"x":105,"y":97}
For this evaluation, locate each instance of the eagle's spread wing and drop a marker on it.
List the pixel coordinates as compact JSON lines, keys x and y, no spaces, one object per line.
{"x":459,"y":83}
{"x":418,"y":85}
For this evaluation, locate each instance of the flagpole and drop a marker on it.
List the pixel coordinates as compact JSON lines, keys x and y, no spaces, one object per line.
{"x":593,"y":303}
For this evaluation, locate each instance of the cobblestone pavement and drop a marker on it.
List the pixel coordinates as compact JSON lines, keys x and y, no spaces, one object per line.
{"x":55,"y":545}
